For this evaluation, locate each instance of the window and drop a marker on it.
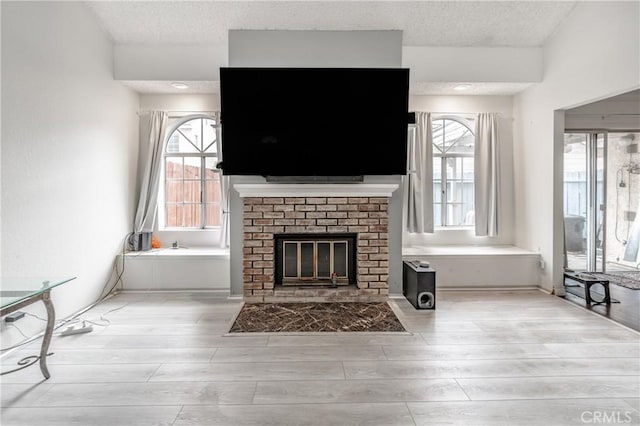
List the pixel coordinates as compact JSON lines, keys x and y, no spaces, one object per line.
{"x":453,"y":185}
{"x":192,"y":181}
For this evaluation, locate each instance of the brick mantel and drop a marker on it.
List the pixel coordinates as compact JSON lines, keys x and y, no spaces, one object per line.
{"x":270,"y":209}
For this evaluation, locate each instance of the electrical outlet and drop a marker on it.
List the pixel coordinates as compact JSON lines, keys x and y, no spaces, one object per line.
{"x":542,"y":265}
{"x":629,"y":216}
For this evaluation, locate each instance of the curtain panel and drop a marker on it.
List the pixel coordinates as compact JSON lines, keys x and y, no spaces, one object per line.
{"x":487,"y":174}
{"x":153,"y":126}
{"x":419,"y":179}
{"x":224,"y":190}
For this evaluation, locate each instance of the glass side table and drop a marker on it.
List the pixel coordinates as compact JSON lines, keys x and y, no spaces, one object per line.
{"x":15,"y":294}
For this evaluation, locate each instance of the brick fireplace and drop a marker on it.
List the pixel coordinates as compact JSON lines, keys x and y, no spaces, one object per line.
{"x":312,"y":215}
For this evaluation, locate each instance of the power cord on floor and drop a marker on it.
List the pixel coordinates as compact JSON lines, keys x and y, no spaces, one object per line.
{"x":103,"y":317}
{"x":37,"y":336}
{"x":126,"y":242}
{"x":35,"y":316}
{"x":23,"y":343}
{"x":19,"y":331}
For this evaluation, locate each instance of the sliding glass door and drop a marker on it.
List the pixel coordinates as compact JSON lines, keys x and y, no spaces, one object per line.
{"x":584,"y":200}
{"x":623,"y":201}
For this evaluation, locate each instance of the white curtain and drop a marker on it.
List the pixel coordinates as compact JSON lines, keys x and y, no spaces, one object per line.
{"x":224,"y":191}
{"x":153,"y":129}
{"x":487,"y":174}
{"x":419,"y":179}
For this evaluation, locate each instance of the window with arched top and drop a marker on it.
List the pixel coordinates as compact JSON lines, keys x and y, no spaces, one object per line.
{"x":453,"y":174}
{"x":191,"y":179}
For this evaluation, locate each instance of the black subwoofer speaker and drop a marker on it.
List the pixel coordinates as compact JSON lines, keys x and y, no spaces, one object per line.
{"x":419,"y":284}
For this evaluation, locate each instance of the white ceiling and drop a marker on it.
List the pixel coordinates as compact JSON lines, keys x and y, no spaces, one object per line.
{"x":424,"y":23}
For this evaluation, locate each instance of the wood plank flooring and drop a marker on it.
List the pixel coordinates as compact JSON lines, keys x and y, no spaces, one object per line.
{"x":482,"y":358}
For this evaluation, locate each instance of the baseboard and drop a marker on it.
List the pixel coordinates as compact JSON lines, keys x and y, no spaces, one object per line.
{"x":221,"y":291}
{"x":467,"y":288}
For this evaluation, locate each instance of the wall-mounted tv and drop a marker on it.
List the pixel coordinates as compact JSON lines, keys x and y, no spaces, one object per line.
{"x":314,"y":121}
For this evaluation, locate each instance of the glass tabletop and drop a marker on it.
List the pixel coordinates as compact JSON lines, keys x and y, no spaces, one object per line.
{"x":15,"y":290}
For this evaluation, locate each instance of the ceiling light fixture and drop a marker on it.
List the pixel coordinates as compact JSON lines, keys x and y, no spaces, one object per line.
{"x":179,"y":85}
{"x":462,"y":87}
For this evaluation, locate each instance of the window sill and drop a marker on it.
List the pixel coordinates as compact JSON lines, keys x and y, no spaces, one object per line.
{"x":454,"y":228}
{"x":216,"y":229}
{"x":182,"y":252}
{"x":189,"y":237}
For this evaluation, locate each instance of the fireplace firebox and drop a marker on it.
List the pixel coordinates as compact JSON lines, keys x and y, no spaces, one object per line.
{"x":315,"y":259}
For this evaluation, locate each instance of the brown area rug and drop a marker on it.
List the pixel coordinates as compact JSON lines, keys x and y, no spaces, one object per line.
{"x":315,"y":317}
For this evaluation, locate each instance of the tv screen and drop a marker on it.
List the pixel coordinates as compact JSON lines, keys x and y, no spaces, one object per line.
{"x":314,"y":121}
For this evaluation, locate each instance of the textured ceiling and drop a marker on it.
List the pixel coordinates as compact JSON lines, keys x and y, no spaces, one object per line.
{"x":424,"y":23}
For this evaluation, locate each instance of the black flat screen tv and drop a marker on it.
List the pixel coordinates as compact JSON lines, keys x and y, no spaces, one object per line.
{"x":314,"y":121}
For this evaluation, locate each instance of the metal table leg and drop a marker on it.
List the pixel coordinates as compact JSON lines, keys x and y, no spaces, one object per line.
{"x":15,"y":299}
{"x":51,"y":319}
{"x":48,"y":333}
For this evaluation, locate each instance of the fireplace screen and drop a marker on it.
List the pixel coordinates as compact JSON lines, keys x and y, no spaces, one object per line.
{"x":318,"y":260}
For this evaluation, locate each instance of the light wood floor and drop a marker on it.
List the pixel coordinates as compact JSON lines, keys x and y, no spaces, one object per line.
{"x":483,"y":358}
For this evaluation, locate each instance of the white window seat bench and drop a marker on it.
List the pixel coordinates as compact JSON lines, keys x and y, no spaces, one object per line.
{"x":479,"y":267}
{"x":200,"y":268}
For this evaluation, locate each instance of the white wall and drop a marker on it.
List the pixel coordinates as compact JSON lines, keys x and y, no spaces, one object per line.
{"x":0,"y":147}
{"x":180,"y":269}
{"x":594,"y":55}
{"x":69,"y":145}
{"x":306,"y":48}
{"x":180,"y":104}
{"x":471,"y":105}
{"x":473,"y":64}
{"x":200,"y":63}
{"x":169,"y":62}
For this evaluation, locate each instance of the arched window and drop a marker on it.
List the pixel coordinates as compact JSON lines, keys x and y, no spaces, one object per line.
{"x":453,"y":176}
{"x":192,"y":181}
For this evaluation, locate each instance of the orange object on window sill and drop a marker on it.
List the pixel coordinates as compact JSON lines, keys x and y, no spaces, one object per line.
{"x":155,"y":242}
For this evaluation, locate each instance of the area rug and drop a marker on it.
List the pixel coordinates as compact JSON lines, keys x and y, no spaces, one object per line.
{"x":628,"y":279}
{"x":316,"y":317}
